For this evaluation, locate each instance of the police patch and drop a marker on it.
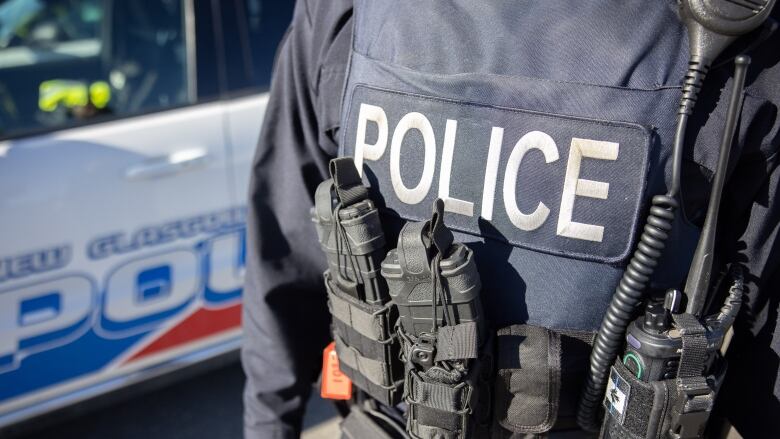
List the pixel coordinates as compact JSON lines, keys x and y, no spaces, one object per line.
{"x":558,"y":184}
{"x":616,"y":396}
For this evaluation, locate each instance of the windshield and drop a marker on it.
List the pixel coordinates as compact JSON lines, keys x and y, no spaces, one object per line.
{"x":67,"y":62}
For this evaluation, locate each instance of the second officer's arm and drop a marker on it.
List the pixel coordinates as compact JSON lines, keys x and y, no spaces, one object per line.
{"x":285,"y":312}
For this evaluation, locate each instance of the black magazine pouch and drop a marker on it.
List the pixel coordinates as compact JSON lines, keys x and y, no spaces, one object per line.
{"x":351,"y":236}
{"x":435,"y":287}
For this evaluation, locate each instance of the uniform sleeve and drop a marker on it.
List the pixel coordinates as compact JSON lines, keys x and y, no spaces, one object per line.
{"x":286,"y":320}
{"x":750,"y":235}
{"x":749,"y":398}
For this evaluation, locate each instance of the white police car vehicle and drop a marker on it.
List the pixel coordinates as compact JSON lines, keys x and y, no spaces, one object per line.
{"x":127,"y":130}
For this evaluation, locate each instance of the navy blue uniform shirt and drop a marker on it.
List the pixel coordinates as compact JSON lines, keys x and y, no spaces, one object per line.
{"x":286,"y":319}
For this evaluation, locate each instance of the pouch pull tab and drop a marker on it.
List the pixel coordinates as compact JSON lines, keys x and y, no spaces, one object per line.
{"x":438,"y":233}
{"x":347,"y":182}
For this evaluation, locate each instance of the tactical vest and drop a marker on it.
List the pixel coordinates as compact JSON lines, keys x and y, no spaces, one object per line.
{"x":545,"y":127}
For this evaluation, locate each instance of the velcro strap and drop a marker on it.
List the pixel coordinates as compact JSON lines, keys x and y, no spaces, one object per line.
{"x":448,"y":398}
{"x":694,"y":345}
{"x":422,"y":430}
{"x":459,"y":342}
{"x":349,"y":186}
{"x":635,"y":408}
{"x":647,"y":409}
{"x":436,"y":410}
{"x":369,"y":324}
{"x":375,"y":371}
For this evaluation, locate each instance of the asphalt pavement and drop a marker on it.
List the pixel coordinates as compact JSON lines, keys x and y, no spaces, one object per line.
{"x":206,"y":406}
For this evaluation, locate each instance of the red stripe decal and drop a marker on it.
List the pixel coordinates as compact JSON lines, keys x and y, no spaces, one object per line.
{"x":201,"y":323}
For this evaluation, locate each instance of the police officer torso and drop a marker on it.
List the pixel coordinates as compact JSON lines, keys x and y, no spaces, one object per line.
{"x":545,"y":128}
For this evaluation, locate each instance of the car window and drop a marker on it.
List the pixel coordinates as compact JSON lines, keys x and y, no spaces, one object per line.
{"x":66,"y":62}
{"x":206,"y":60}
{"x":251,"y":32}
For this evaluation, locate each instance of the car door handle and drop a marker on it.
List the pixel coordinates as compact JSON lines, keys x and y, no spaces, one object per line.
{"x":174,"y":163}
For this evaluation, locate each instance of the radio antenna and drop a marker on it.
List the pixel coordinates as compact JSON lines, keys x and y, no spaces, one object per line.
{"x":699,"y":277}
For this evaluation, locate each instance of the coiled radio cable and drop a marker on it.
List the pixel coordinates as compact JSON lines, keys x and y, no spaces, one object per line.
{"x":631,"y":289}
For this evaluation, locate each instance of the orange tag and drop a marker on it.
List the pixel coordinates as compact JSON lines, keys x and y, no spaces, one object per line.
{"x":335,"y":385}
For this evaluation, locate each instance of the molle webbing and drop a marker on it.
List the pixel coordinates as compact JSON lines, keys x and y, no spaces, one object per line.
{"x":365,"y":344}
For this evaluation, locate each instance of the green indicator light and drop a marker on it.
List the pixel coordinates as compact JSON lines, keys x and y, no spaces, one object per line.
{"x":639,"y":369}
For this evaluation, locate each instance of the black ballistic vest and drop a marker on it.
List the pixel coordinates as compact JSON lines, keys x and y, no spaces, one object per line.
{"x":546,"y":127}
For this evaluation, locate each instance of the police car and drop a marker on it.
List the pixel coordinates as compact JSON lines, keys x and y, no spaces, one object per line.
{"x":127,"y":130}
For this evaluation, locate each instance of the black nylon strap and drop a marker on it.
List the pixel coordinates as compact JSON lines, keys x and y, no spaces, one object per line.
{"x":457,"y":342}
{"x":445,"y":397}
{"x":434,"y":422}
{"x":349,"y":186}
{"x":695,"y":397}
{"x":368,"y":320}
{"x":694,"y":343}
{"x":367,"y":347}
{"x":374,"y":371}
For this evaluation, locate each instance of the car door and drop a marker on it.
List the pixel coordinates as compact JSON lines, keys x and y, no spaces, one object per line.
{"x":119,"y":234}
{"x":251,"y":31}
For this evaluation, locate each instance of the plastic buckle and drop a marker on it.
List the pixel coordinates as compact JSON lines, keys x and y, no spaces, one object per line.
{"x":693,"y":410}
{"x":424,"y":351}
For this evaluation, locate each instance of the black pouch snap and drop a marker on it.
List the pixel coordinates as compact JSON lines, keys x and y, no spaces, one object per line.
{"x":527,"y":385}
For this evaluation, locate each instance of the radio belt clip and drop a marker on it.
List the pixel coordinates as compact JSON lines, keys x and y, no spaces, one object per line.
{"x":693,"y":408}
